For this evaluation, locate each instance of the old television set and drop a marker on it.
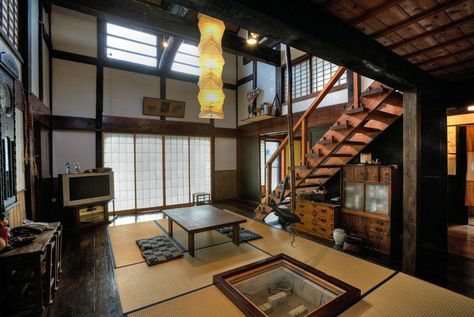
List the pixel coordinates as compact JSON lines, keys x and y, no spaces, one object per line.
{"x":86,"y":188}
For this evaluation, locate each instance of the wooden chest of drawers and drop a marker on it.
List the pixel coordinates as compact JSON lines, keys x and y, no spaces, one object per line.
{"x":318,"y":219}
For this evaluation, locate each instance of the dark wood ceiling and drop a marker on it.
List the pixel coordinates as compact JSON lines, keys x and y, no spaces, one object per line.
{"x":435,"y":35}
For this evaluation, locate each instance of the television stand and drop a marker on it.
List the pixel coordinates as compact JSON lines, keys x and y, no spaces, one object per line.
{"x":84,"y":216}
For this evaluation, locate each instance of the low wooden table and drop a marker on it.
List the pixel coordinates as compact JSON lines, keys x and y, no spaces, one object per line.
{"x":203,"y":218}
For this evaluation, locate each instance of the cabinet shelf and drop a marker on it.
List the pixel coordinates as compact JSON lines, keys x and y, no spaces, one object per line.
{"x":259,"y":118}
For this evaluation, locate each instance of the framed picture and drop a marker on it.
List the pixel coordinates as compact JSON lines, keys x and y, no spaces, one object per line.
{"x":163,"y":107}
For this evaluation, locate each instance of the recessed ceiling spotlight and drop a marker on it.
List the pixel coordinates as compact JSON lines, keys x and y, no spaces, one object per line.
{"x":252,"y":38}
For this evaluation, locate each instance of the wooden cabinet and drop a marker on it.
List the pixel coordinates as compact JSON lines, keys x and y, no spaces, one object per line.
{"x":370,"y":206}
{"x":30,"y":274}
{"x":318,"y":219}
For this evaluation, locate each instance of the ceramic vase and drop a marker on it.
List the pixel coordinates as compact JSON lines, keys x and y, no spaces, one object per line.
{"x":339,"y":235}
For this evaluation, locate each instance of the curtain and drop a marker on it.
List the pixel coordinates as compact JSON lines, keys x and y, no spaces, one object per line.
{"x":469,"y":201}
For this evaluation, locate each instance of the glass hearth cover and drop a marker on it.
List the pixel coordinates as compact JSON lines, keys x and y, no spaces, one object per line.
{"x":282,"y":286}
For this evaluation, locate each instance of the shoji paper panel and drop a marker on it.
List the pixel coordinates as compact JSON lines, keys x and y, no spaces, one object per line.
{"x":149,"y":164}
{"x":177,"y":170}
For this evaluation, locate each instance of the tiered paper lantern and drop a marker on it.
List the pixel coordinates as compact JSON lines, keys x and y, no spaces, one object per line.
{"x":211,"y":62}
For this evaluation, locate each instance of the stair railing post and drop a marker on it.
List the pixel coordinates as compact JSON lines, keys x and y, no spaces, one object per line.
{"x":289,"y":70}
{"x":304,"y":140}
{"x":268,"y":188}
{"x":356,"y":90}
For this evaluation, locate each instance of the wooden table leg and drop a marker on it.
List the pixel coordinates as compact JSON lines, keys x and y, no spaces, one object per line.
{"x":191,"y":243}
{"x":236,"y":234}
{"x":170,"y":226}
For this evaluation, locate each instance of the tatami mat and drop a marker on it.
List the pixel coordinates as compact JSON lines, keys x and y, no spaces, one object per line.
{"x":406,"y":296}
{"x":123,"y":240}
{"x":207,"y":302}
{"x":352,"y":270}
{"x":140,"y":285}
{"x":201,"y":239}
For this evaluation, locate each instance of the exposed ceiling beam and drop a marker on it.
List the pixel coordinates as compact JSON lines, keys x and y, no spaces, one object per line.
{"x":151,"y":17}
{"x":169,"y":53}
{"x":415,"y":18}
{"x":307,"y":27}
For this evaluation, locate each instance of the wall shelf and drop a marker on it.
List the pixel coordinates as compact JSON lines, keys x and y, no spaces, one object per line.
{"x":259,"y":118}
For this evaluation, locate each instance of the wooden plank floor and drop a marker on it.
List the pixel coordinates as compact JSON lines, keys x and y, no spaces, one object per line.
{"x":87,"y":286}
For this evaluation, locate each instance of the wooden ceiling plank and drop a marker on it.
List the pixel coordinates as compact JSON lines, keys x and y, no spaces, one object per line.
{"x":432,"y":32}
{"x":374,"y":12}
{"x":440,"y":45}
{"x":461,"y":63}
{"x":433,"y":60}
{"x":416,"y":18}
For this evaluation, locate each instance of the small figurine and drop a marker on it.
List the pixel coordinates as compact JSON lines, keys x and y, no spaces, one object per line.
{"x":4,"y":231}
{"x":77,"y":168}
{"x":68,"y":168}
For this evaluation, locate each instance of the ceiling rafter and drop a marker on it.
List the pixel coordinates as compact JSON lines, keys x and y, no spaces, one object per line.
{"x":451,"y":65}
{"x":415,"y":18}
{"x":374,"y":12}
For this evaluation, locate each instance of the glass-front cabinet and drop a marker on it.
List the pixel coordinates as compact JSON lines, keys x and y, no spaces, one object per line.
{"x":369,"y":205}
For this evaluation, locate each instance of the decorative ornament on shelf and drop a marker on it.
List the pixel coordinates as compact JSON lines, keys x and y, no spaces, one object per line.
{"x":252,"y":95}
{"x":211,"y":62}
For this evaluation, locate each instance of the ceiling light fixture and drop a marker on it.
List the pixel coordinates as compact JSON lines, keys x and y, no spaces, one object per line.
{"x":252,"y":38}
{"x":165,"y":41}
{"x":470,"y":108}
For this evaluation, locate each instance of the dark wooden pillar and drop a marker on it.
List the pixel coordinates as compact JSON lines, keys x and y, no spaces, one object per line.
{"x":411,"y":178}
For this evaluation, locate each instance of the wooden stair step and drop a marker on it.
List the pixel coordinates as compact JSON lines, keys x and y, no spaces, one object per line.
{"x":354,"y":110}
{"x":339,"y":126}
{"x":306,"y":185}
{"x":373,"y":92}
{"x":312,"y":155}
{"x":363,"y":129}
{"x":330,"y":166}
{"x":317,"y":176}
{"x":348,"y":142}
{"x":340,"y":155}
{"x":382,"y":114}
{"x":325,"y":141}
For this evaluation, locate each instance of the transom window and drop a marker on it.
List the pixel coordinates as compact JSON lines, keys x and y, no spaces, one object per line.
{"x":132,"y":46}
{"x":187,"y":60}
{"x":310,"y":74}
{"x":9,"y":20}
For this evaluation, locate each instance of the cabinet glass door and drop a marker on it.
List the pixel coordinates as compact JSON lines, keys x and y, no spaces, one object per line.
{"x":354,"y":195}
{"x":376,"y":198}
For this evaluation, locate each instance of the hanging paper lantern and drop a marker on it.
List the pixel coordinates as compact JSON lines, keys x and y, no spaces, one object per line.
{"x":211,"y":62}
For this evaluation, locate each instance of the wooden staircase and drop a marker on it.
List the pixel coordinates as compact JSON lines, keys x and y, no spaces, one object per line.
{"x":379,"y":106}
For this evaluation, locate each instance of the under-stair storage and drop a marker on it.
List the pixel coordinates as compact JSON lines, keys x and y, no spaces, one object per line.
{"x":370,"y":205}
{"x":317,"y":219}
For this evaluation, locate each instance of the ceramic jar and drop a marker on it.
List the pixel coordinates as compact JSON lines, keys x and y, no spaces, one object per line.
{"x":339,"y":235}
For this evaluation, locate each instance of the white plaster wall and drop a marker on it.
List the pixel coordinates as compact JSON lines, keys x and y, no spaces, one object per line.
{"x":45,"y":154}
{"x":229,"y":111}
{"x":226,"y":154}
{"x":74,"y":89}
{"x":187,"y":92}
{"x":331,"y":99}
{"x":243,"y":70}
{"x":20,"y":150}
{"x":229,"y":72}
{"x":73,"y":146}
{"x":295,"y":53}
{"x":73,"y":32}
{"x":266,"y":82}
{"x":365,"y":82}
{"x":46,"y":97}
{"x":124,"y":92}
{"x":242,"y":91}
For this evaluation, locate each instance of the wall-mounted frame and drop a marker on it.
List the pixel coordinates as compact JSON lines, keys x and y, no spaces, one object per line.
{"x":163,"y":107}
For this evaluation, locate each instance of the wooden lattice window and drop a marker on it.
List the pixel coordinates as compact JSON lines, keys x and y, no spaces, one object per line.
{"x":321,"y":73}
{"x":9,"y":20}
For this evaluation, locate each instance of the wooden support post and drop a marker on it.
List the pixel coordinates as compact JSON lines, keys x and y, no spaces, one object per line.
{"x":304,"y":140}
{"x":357,"y":89}
{"x":289,"y":101}
{"x":268,"y":185}
{"x":411,"y":178}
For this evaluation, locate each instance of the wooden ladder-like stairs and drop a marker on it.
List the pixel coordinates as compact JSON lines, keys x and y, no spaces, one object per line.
{"x":380,"y":106}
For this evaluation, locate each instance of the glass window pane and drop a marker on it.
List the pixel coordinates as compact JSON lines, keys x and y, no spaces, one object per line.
{"x":124,"y":32}
{"x":130,"y":57}
{"x":131,"y":46}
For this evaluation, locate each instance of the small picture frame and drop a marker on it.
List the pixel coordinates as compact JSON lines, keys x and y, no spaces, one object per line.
{"x":163,"y":107}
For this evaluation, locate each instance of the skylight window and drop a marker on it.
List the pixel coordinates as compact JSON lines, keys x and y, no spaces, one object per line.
{"x":131,"y":46}
{"x":187,"y":60}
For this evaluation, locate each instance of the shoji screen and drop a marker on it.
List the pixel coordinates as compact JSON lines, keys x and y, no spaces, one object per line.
{"x":149,"y":165}
{"x":200,"y":164}
{"x":119,"y":155}
{"x":177,"y":170}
